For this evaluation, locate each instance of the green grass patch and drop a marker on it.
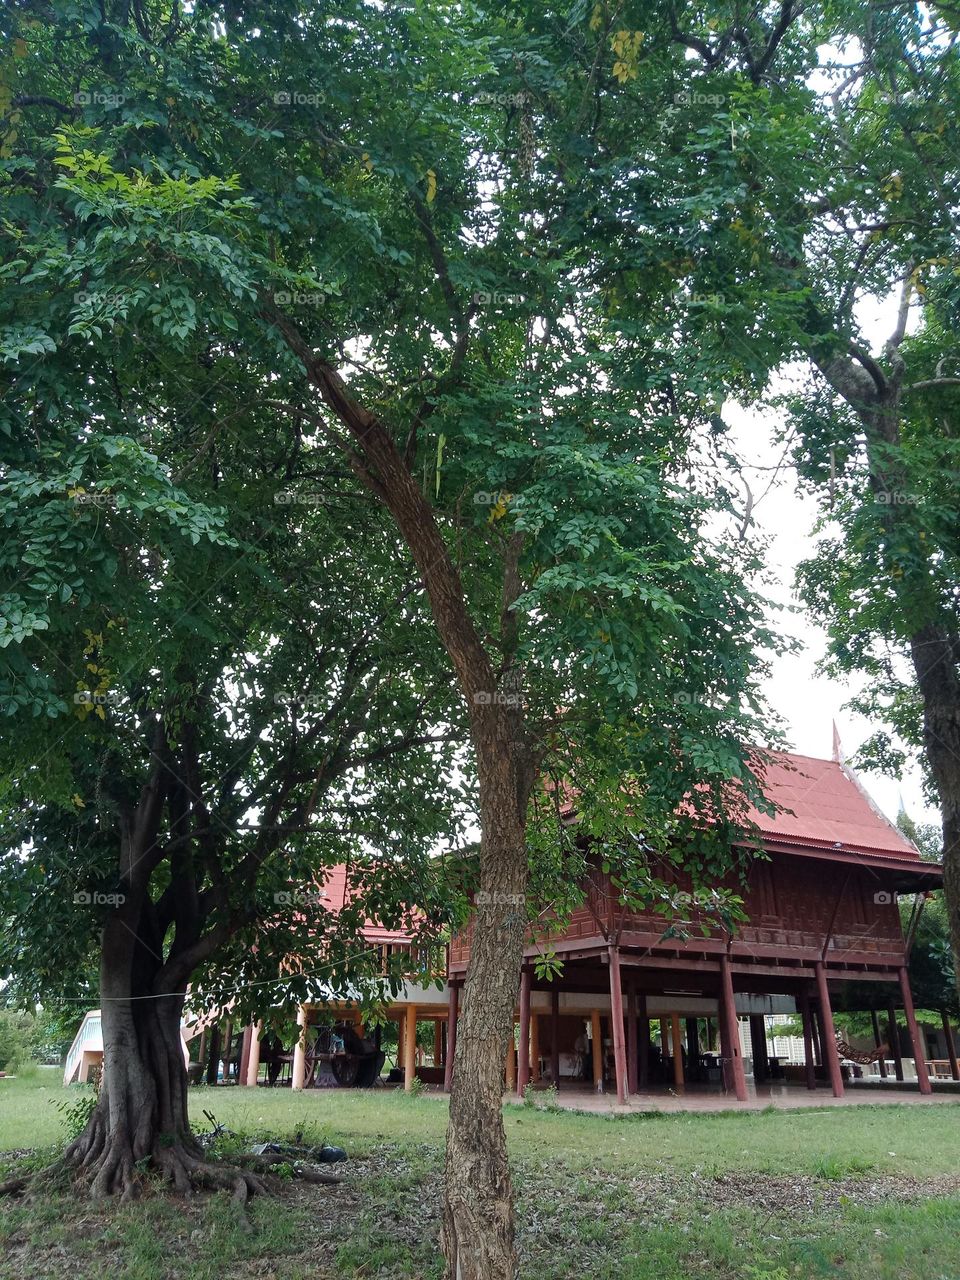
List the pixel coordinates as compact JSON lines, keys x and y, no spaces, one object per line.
{"x":839,"y":1193}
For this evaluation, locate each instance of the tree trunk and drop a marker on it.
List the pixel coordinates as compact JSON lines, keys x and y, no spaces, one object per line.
{"x":141,"y":1114}
{"x":140,"y":1119}
{"x":478,"y":1220}
{"x":935,"y":660}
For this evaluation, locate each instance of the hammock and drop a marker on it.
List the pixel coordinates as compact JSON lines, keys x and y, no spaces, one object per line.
{"x":859,"y":1055}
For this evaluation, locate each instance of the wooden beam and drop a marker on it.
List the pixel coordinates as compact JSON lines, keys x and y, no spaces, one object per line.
{"x":895,"y":1041}
{"x":829,"y":1045}
{"x":809,"y":1063}
{"x":244,"y":1055}
{"x":213,"y":1066}
{"x":616,"y":1026}
{"x":511,"y":1063}
{"x":881,"y":1063}
{"x":253,"y":1057}
{"x":633,"y":1077}
{"x":643,"y":1055}
{"x":679,"y":1080}
{"x":300,"y":1050}
{"x":951,"y":1045}
{"x":534,"y":1046}
{"x":916,"y":1037}
{"x":453,"y":1011}
{"x":729,"y":1014}
{"x":523,"y":1049}
{"x":555,"y":1037}
{"x":437,"y":1043}
{"x":410,"y":1048}
{"x":597,"y":1045}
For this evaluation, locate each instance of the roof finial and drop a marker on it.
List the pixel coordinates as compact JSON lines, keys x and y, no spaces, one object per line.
{"x":837,"y":749}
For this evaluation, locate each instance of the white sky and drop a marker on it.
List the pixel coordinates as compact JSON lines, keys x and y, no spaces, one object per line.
{"x":808,"y":702}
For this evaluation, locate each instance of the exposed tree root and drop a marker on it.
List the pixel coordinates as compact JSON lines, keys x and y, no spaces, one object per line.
{"x":106,"y":1170}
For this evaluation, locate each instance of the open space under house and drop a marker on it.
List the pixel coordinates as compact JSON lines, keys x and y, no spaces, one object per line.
{"x":637,"y":1013}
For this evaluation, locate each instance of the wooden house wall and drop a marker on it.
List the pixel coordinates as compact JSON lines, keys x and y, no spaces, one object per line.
{"x":791,"y":904}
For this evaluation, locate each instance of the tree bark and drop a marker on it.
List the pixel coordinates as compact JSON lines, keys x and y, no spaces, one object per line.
{"x":935,"y":656}
{"x":141,"y":1118}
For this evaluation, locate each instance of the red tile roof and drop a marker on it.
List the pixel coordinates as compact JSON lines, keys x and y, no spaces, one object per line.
{"x":334,"y":887}
{"x":824,"y":806}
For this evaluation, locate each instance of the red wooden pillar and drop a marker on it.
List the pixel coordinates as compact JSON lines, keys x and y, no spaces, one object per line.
{"x":555,"y":1037}
{"x":453,"y":1012}
{"x":808,"y":1058}
{"x":916,"y":1039}
{"x":878,"y":1042}
{"x":633,"y":1074}
{"x":729,"y":1015}
{"x":616,"y":1020}
{"x":643,"y":1054}
{"x":244,"y":1055}
{"x":829,"y":1039}
{"x":523,"y":1050}
{"x":951,"y":1045}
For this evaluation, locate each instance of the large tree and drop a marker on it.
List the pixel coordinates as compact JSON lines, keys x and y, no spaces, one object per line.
{"x":216,"y":673}
{"x":820,"y":146}
{"x":433,"y":241}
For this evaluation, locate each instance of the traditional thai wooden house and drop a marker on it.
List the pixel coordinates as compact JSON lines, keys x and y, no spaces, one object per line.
{"x":823,"y":929}
{"x":634,"y":1008}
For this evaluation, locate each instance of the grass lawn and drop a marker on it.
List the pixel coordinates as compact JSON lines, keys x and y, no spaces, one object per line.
{"x":866,"y":1193}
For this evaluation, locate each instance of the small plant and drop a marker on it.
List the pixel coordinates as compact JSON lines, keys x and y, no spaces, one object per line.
{"x":836,"y":1168}
{"x":76,"y":1114}
{"x":544,"y":1099}
{"x":416,"y":1087}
